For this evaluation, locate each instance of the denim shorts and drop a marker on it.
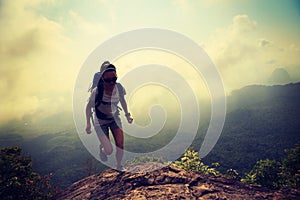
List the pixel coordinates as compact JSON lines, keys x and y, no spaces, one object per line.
{"x":104,"y":129}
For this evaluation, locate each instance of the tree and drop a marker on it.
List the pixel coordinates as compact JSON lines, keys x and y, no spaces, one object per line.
{"x":191,"y":161}
{"x":18,"y":180}
{"x":265,"y":173}
{"x":232,"y":174}
{"x":291,"y":168}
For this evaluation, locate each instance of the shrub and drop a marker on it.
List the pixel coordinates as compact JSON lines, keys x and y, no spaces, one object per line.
{"x":191,"y":161}
{"x":145,"y":159}
{"x":232,"y":174}
{"x":291,"y":168}
{"x":265,"y":173}
{"x":18,"y":180}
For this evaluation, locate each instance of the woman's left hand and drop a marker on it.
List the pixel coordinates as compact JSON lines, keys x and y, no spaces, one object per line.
{"x":129,"y":119}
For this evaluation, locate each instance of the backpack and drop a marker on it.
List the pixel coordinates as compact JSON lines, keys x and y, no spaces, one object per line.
{"x":98,"y":101}
{"x":96,"y":79}
{"x":98,"y":75}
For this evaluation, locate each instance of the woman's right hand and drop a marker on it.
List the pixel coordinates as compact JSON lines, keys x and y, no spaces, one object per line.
{"x":88,"y":129}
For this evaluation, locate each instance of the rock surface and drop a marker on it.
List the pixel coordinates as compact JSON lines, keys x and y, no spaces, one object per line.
{"x":166,"y":183}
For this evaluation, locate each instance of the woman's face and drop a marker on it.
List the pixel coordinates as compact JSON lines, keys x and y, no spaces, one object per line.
{"x":109,"y":79}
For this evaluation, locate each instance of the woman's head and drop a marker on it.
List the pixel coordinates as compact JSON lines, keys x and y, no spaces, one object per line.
{"x":109,"y":75}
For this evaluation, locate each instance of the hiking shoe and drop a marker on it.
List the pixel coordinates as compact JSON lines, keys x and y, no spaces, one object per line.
{"x":103,"y":156}
{"x":120,"y":168}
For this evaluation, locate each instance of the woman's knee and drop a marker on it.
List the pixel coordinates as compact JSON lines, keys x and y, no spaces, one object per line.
{"x":108,"y":149}
{"x":107,"y":146}
{"x":120,"y":145}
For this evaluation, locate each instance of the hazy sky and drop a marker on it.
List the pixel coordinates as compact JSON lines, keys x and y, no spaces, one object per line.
{"x":45,"y":42}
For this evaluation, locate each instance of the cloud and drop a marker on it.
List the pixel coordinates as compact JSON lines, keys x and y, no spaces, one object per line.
{"x":42,"y":46}
{"x":243,"y":57}
{"x":210,"y":3}
{"x":294,"y":48}
{"x":183,"y":5}
{"x":265,"y":43}
{"x":86,"y":28}
{"x":242,"y":25}
{"x":232,"y":45}
{"x":36,"y":69}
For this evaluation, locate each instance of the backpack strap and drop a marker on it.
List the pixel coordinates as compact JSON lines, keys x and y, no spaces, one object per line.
{"x":99,"y":95}
{"x":98,"y":101}
{"x":120,"y":89}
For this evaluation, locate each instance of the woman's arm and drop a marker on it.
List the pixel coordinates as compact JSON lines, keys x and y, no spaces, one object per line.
{"x":88,"y":114}
{"x":125,"y":108}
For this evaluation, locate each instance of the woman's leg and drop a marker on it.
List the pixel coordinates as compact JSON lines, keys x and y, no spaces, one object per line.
{"x":106,"y":144}
{"x":103,"y":136}
{"x":119,"y":140}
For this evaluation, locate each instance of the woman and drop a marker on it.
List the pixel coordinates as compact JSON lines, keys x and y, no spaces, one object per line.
{"x":104,"y":99}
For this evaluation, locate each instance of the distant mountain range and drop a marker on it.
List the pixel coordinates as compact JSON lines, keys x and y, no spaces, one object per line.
{"x":262,"y":121}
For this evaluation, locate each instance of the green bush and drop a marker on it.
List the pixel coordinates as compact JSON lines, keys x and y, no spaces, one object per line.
{"x":232,"y":174}
{"x":191,"y":161}
{"x":275,"y":175}
{"x":291,"y":168}
{"x":265,"y":173}
{"x":18,"y":180}
{"x":145,"y":159}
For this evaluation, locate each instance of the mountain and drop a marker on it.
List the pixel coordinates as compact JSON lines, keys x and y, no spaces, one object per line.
{"x":32,"y":126}
{"x":279,"y":76}
{"x":261,"y":122}
{"x":165,"y":183}
{"x":260,"y":95}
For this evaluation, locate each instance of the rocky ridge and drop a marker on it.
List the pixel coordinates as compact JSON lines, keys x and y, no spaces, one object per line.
{"x":166,"y":183}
